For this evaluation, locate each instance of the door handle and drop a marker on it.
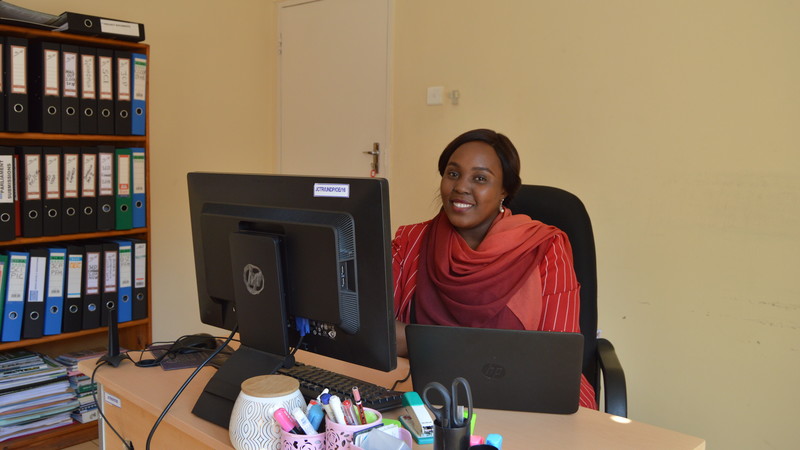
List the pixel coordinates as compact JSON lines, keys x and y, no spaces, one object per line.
{"x":376,"y":153}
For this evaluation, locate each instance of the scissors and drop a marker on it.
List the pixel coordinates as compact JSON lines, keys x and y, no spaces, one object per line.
{"x":447,"y":414}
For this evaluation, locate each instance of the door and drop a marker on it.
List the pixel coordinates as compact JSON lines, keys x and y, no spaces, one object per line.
{"x":333,"y":86}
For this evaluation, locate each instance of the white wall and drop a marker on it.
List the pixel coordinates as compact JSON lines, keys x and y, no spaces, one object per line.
{"x":676,"y":122}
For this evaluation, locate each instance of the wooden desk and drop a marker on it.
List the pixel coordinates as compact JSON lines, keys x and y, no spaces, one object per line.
{"x":144,"y":392}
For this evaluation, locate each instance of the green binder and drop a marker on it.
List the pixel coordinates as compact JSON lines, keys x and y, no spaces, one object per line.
{"x":123,"y":192}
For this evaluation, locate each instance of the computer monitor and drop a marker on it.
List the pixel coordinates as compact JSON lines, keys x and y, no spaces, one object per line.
{"x":270,"y":249}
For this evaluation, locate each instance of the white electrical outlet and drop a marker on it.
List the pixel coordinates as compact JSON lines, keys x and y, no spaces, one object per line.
{"x":435,"y":95}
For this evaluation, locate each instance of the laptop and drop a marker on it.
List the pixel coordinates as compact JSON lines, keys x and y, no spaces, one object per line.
{"x":536,"y":371}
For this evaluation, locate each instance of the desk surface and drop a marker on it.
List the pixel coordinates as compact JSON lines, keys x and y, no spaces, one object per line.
{"x":144,"y":392}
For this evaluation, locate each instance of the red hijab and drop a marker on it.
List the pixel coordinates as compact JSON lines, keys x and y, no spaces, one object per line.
{"x":460,"y":286}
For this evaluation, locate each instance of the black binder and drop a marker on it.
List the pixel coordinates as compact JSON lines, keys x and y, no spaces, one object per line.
{"x":85,"y":24}
{"x":35,"y":294}
{"x":73,"y":292}
{"x":15,"y":83}
{"x":70,"y":86}
{"x":88,"y":90}
{"x":88,"y":190}
{"x":105,"y":91}
{"x":109,"y":281}
{"x":70,"y":190}
{"x":30,"y":190}
{"x":105,"y":188}
{"x":139,"y":310}
{"x":45,"y":88}
{"x":92,"y":285}
{"x":2,"y":84}
{"x":51,"y":185}
{"x":7,"y":188}
{"x":122,"y":92}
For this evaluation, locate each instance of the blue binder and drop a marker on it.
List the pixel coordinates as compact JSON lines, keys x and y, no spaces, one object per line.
{"x":15,"y":296}
{"x":125,"y":280}
{"x":139,"y":99}
{"x":139,"y":187}
{"x":54,"y":303}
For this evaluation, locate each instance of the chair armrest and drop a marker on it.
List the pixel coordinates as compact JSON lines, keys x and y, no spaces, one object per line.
{"x":613,"y":379}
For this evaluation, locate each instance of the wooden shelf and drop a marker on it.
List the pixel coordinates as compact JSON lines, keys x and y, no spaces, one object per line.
{"x":133,"y":335}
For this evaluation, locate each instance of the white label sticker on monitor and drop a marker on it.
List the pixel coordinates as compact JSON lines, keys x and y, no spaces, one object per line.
{"x":331,"y":190}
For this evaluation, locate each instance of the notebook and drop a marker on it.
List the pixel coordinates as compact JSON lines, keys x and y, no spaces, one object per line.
{"x":535,"y":371}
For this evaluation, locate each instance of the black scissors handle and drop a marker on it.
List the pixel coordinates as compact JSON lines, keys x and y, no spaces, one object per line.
{"x":444,"y":413}
{"x":455,"y":419}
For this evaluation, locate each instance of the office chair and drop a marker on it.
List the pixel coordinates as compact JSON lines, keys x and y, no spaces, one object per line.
{"x":564,"y":210}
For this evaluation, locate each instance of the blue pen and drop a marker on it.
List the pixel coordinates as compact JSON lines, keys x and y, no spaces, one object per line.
{"x":315,"y":415}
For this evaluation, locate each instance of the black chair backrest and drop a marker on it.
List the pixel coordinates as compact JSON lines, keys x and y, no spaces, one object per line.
{"x":564,"y":210}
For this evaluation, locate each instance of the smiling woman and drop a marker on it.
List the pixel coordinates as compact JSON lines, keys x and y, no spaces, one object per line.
{"x":477,"y":265}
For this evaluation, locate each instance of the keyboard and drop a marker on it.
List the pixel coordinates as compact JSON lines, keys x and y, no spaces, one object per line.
{"x":314,"y":379}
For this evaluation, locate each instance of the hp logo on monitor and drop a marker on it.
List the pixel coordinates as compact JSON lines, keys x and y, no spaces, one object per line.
{"x":493,"y":371}
{"x":253,"y":279}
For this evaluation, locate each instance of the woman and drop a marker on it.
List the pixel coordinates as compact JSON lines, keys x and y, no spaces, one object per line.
{"x":477,"y":265}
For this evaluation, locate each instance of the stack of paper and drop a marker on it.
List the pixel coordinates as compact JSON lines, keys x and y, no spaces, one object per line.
{"x":81,"y":383}
{"x":35,"y":394}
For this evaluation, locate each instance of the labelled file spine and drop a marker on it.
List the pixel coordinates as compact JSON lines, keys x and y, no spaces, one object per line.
{"x":30,"y":187}
{"x":105,"y":188}
{"x":73,"y":299}
{"x":122,"y":93}
{"x":92,"y":296}
{"x":139,"y":180}
{"x":70,"y":78}
{"x":110,"y":294}
{"x":88,"y":197}
{"x":7,"y":188}
{"x":45,"y":90}
{"x":139,"y":310}
{"x":15,"y":296}
{"x":139,"y":101}
{"x":105,"y":86}
{"x":88,"y":99}
{"x":125,"y":281}
{"x":51,"y":206}
{"x":70,"y":182}
{"x":33,"y":320}
{"x":15,"y":66}
{"x":122,"y":189}
{"x":54,"y":304}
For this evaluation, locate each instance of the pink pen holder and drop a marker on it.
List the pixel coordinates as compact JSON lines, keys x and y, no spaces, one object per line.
{"x":339,"y":436}
{"x":291,"y":441}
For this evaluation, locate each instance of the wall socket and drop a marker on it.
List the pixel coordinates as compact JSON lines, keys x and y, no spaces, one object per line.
{"x":435,"y":95}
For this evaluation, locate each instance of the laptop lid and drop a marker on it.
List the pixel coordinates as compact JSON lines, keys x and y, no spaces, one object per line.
{"x":537,"y":371}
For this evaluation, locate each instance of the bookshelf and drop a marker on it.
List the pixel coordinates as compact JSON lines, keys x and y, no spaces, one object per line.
{"x":134,"y":334}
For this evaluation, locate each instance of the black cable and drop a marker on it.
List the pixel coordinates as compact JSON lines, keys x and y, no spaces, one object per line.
{"x":185,"y":384}
{"x":402,"y":380}
{"x":100,"y":410}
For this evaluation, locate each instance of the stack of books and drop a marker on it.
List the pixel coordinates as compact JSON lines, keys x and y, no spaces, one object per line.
{"x":81,"y":383}
{"x":35,"y":394}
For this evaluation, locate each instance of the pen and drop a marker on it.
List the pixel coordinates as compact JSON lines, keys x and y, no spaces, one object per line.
{"x":349,"y":417}
{"x":336,"y":407}
{"x":325,"y":399}
{"x":359,"y":406}
{"x":302,"y":420}
{"x":286,"y":421}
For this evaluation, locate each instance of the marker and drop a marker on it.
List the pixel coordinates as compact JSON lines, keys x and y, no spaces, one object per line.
{"x":336,"y":407}
{"x":315,"y":415}
{"x":325,"y":399}
{"x":359,"y":406}
{"x":302,"y":420}
{"x":286,"y":421}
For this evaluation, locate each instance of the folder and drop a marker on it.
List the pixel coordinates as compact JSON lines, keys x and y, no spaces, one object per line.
{"x":122,"y":189}
{"x":70,"y":102}
{"x":15,"y":83}
{"x":85,"y":24}
{"x":88,"y":90}
{"x":139,"y":101}
{"x":91,"y":285}
{"x":15,"y":296}
{"x":3,"y":280}
{"x":73,"y":298}
{"x":54,"y":302}
{"x":105,"y":187}
{"x":33,"y":320}
{"x":45,"y":86}
{"x":122,"y":93}
{"x":110,"y":293}
{"x":30,"y":190}
{"x":70,"y":183}
{"x":139,"y":279}
{"x":51,"y":206}
{"x":125,"y":280}
{"x":88,"y":197}
{"x":105,"y":87}
{"x":139,"y":180}
{"x":17,"y":200}
{"x":7,"y":190}
{"x":2,"y":88}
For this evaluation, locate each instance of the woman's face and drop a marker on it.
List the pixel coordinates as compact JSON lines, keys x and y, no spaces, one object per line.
{"x":472,"y":189}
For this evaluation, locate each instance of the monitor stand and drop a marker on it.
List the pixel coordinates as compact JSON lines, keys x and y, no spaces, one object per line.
{"x":261,"y":313}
